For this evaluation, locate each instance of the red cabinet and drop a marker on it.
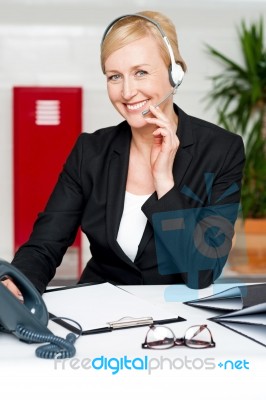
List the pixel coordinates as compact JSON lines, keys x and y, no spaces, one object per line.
{"x":47,"y":121}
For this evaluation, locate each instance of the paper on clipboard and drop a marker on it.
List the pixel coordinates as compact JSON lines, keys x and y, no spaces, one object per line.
{"x":96,"y":306}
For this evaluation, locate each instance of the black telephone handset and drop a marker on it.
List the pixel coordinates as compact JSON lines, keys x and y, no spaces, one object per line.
{"x":28,"y":320}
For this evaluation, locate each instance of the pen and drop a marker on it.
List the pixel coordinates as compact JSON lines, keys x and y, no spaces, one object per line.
{"x":168,"y":321}
{"x":97,"y":330}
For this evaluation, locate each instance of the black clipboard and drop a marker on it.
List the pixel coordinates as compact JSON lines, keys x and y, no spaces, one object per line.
{"x":110,"y":325}
{"x":124,"y":323}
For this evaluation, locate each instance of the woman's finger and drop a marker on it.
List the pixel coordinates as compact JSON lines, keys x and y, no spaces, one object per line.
{"x":9,"y":284}
{"x":156,"y":111}
{"x":156,"y":121}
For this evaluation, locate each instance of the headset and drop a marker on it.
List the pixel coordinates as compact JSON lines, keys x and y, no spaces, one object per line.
{"x":176,"y":72}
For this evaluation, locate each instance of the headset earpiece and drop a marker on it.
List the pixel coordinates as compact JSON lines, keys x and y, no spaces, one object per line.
{"x":176,"y":74}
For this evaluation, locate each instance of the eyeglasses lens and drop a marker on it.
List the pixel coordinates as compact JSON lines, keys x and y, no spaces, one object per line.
{"x":198,"y":337}
{"x":160,"y":337}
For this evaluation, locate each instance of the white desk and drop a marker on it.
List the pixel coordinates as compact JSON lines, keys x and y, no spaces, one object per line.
{"x":174,"y":372}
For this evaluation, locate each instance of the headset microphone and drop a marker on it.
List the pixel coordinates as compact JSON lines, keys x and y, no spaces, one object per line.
{"x":145,"y":112}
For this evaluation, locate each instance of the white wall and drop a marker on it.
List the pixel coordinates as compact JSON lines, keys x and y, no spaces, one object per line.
{"x":56,"y":42}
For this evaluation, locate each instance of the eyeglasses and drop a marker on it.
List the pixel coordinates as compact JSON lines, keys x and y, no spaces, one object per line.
{"x":162,"y":337}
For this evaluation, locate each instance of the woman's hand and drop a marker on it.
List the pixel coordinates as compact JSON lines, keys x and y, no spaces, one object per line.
{"x":13,"y":288}
{"x":163,"y":151}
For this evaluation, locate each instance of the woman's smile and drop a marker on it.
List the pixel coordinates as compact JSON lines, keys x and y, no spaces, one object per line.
{"x":136,"y":106}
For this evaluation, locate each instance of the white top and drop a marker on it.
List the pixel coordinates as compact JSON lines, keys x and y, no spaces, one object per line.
{"x":132,"y":224}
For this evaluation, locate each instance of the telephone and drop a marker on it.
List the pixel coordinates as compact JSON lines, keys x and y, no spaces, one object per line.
{"x":28,"y":320}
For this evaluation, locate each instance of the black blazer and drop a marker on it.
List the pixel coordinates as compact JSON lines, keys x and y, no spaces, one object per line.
{"x":90,"y":193}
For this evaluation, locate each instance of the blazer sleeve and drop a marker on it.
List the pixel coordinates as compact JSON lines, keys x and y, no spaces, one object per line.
{"x":195,"y":240}
{"x":56,"y":227}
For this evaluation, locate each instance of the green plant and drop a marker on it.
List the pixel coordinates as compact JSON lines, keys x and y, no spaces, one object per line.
{"x":240,"y":93}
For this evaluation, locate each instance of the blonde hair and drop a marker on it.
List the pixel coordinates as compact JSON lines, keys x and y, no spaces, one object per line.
{"x":131,"y":28}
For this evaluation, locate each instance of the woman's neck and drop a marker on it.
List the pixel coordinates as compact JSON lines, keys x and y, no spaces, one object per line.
{"x":141,"y":145}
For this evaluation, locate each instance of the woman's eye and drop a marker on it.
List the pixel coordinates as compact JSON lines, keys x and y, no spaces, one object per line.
{"x":114,"y":77}
{"x":141,"y":73}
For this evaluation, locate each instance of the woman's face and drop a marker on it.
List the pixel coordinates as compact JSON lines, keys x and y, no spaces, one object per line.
{"x":137,"y":77}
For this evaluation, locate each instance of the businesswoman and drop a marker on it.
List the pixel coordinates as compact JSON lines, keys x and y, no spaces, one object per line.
{"x":157,"y":194}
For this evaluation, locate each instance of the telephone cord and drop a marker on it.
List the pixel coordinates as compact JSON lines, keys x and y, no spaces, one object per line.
{"x":57,"y":347}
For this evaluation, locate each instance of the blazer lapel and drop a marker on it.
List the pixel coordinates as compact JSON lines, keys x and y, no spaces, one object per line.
{"x":182,"y":162}
{"x":185,"y":152}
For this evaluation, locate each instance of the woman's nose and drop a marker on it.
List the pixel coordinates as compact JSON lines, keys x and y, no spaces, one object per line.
{"x":129,"y":89}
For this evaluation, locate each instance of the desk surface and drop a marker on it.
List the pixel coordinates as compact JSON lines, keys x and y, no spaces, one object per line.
{"x":180,"y":369}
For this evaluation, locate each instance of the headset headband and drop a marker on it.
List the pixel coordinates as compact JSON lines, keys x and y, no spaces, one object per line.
{"x":132,"y":15}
